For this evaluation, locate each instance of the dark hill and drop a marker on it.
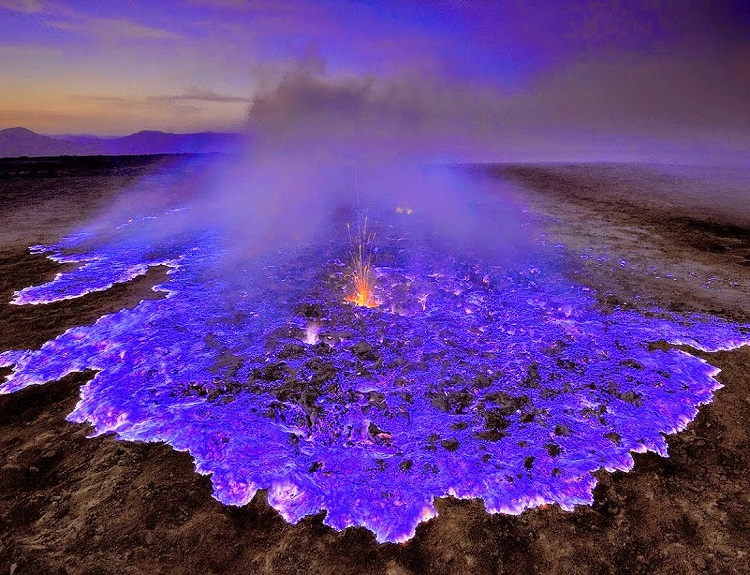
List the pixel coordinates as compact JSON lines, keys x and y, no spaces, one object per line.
{"x":16,"y":142}
{"x":23,"y":142}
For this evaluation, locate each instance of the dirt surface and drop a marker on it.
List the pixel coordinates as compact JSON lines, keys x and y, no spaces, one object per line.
{"x":676,"y":237}
{"x":73,"y":505}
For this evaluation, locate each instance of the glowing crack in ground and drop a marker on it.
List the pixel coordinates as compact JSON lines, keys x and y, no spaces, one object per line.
{"x":507,"y":384}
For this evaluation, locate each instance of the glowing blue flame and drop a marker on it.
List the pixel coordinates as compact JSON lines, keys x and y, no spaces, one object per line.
{"x":507,"y":385}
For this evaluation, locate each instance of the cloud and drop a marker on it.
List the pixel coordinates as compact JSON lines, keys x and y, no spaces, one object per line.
{"x":28,"y":51}
{"x":234,"y":4}
{"x":192,"y":95}
{"x":256,"y":6}
{"x":111,"y":28}
{"x":24,"y":6}
{"x":108,"y":99}
{"x":118,"y":114}
{"x":63,"y":17}
{"x":197,"y":95}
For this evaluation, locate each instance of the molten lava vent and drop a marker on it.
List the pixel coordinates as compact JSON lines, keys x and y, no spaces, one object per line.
{"x":450,"y":375}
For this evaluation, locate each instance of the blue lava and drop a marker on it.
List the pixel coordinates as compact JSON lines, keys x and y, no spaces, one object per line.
{"x":508,"y":384}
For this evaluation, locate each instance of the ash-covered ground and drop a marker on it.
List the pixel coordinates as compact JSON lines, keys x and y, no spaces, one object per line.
{"x":81,"y":505}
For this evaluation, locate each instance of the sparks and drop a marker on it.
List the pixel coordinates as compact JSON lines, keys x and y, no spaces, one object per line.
{"x":362,"y":271}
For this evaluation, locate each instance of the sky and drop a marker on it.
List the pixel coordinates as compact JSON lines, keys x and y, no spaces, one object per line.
{"x":670,"y":69}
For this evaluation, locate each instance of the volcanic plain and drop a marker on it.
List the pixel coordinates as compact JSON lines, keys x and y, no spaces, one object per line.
{"x":77,"y":505}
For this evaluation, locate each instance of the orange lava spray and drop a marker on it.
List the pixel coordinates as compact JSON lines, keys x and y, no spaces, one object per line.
{"x":361,"y":268}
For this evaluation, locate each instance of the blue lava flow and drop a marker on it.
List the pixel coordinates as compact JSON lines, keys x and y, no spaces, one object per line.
{"x":510,"y":384}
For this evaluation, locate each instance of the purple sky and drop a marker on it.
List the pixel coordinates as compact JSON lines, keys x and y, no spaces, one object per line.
{"x":666,"y":69}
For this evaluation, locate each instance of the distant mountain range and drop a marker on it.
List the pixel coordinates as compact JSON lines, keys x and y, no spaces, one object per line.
{"x":16,"y":142}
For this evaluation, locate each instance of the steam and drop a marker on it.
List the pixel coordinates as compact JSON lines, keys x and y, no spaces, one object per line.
{"x":325,"y":151}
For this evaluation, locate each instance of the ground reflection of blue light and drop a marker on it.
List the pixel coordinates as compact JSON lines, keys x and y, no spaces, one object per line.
{"x":509,"y":385}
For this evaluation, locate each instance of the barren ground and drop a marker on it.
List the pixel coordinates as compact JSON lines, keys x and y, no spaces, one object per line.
{"x":73,"y":505}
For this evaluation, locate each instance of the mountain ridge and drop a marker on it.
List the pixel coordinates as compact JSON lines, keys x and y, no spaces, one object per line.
{"x":19,"y":141}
